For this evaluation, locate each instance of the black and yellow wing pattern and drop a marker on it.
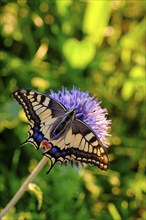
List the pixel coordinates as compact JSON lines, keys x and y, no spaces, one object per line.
{"x":60,"y":134}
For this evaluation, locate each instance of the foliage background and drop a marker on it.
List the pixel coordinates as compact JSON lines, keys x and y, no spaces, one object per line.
{"x":97,"y":46}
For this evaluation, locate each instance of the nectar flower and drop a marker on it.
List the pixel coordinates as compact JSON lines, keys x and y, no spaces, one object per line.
{"x":88,"y":110}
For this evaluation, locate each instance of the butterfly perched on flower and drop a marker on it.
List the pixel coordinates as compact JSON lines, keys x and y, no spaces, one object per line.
{"x":59,"y":127}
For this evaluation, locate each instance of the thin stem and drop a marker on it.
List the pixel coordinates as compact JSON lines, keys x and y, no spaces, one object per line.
{"x":22,"y":189}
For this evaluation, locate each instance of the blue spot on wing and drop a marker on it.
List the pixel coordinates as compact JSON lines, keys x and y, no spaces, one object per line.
{"x":35,"y":135}
{"x":36,"y":128}
{"x":38,"y":137}
{"x":57,"y":154}
{"x":63,"y":153}
{"x":53,"y":150}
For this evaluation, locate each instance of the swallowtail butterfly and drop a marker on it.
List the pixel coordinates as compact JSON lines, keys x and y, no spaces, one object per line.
{"x":60,"y":134}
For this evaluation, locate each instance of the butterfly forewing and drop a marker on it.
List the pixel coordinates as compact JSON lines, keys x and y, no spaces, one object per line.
{"x":39,"y":109}
{"x":76,"y":142}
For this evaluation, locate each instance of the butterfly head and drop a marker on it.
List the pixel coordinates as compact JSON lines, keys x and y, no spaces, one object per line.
{"x":71,"y":115}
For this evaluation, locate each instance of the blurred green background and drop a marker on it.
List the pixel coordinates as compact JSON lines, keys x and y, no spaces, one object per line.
{"x":96,"y":46}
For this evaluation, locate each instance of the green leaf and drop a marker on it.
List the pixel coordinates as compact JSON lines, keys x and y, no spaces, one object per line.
{"x":79,"y":53}
{"x":94,"y":23}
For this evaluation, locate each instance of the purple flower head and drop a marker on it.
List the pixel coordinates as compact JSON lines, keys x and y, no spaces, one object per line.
{"x":88,"y":110}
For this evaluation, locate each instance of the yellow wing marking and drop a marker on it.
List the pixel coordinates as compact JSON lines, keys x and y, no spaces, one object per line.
{"x":81,"y":146}
{"x":77,"y":140}
{"x":68,"y":137}
{"x":36,"y":107}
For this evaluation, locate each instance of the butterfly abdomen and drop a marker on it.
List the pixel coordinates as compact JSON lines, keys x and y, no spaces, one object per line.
{"x":63,"y":124}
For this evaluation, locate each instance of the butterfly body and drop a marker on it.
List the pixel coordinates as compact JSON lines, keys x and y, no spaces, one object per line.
{"x":60,"y":128}
{"x":60,"y":134}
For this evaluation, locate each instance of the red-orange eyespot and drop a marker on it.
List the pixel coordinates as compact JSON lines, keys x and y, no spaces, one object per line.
{"x":45,"y":145}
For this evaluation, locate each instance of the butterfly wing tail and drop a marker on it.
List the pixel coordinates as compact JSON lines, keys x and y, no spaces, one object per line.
{"x":52,"y":165}
{"x":52,"y":161}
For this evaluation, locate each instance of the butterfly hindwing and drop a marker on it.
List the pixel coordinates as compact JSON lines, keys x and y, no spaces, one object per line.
{"x":79,"y":144}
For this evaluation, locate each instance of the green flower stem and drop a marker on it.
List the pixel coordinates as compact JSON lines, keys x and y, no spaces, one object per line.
{"x":23,"y":188}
